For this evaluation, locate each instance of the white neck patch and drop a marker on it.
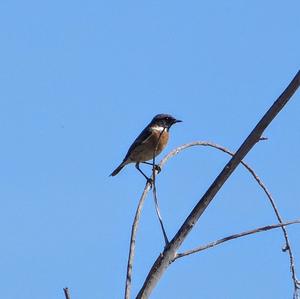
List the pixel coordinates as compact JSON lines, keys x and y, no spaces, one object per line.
{"x":157,"y":128}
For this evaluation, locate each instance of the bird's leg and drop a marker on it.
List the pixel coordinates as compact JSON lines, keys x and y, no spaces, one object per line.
{"x":156,"y":167}
{"x":149,"y":180}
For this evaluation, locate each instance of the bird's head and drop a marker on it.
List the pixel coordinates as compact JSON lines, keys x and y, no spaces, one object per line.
{"x":164,"y":120}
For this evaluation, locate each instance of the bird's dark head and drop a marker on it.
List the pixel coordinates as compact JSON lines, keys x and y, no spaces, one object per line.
{"x":164,"y":120}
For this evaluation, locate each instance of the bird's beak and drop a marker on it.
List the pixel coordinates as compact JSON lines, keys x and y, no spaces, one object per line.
{"x":178,"y":121}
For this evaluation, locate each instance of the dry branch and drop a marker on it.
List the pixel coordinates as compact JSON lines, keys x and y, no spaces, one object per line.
{"x":235,"y":236}
{"x":287,"y":246}
{"x":169,"y":253}
{"x":132,"y":240}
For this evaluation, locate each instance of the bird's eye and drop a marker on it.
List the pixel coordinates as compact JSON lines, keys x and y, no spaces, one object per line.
{"x":167,"y":118}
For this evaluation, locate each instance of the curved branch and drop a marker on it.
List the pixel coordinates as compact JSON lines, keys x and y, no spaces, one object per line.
{"x":164,"y":259}
{"x":262,"y":185}
{"x":141,"y":202}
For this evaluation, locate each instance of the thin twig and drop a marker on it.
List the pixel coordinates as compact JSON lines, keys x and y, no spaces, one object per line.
{"x":165,"y":258}
{"x":235,"y":236}
{"x":155,"y":192}
{"x":133,"y":239}
{"x":159,"y":215}
{"x":135,"y":227}
{"x":67,"y":293}
{"x":287,"y":246}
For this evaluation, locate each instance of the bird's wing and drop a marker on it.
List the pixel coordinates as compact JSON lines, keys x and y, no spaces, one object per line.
{"x":142,"y":138}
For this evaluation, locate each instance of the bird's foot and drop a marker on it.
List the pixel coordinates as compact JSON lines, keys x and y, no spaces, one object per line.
{"x":157,"y":168}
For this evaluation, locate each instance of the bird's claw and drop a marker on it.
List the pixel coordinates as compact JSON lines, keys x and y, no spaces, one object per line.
{"x":157,"y":168}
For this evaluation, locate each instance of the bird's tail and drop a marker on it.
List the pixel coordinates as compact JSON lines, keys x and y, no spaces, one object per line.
{"x":118,"y":169}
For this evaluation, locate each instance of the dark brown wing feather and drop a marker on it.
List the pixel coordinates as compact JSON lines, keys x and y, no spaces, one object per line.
{"x":143,"y":137}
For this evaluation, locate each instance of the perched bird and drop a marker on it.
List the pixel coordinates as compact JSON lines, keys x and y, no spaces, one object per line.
{"x":149,"y":143}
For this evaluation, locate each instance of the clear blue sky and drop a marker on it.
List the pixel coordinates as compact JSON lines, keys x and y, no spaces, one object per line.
{"x":78,"y":82}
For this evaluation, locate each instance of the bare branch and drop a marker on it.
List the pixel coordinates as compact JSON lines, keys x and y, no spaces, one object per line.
{"x":168,"y":255}
{"x":132,"y":240}
{"x":67,"y":293}
{"x":287,"y":246}
{"x":235,"y":236}
{"x":261,"y":184}
{"x":158,"y":213}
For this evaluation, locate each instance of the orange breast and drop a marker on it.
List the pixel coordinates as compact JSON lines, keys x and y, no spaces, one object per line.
{"x":145,"y":151}
{"x":162,"y":141}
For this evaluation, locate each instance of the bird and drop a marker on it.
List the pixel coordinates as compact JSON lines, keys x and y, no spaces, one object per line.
{"x":150,"y":143}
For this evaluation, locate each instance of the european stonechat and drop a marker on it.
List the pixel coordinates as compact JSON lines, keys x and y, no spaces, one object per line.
{"x":149,"y":143}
